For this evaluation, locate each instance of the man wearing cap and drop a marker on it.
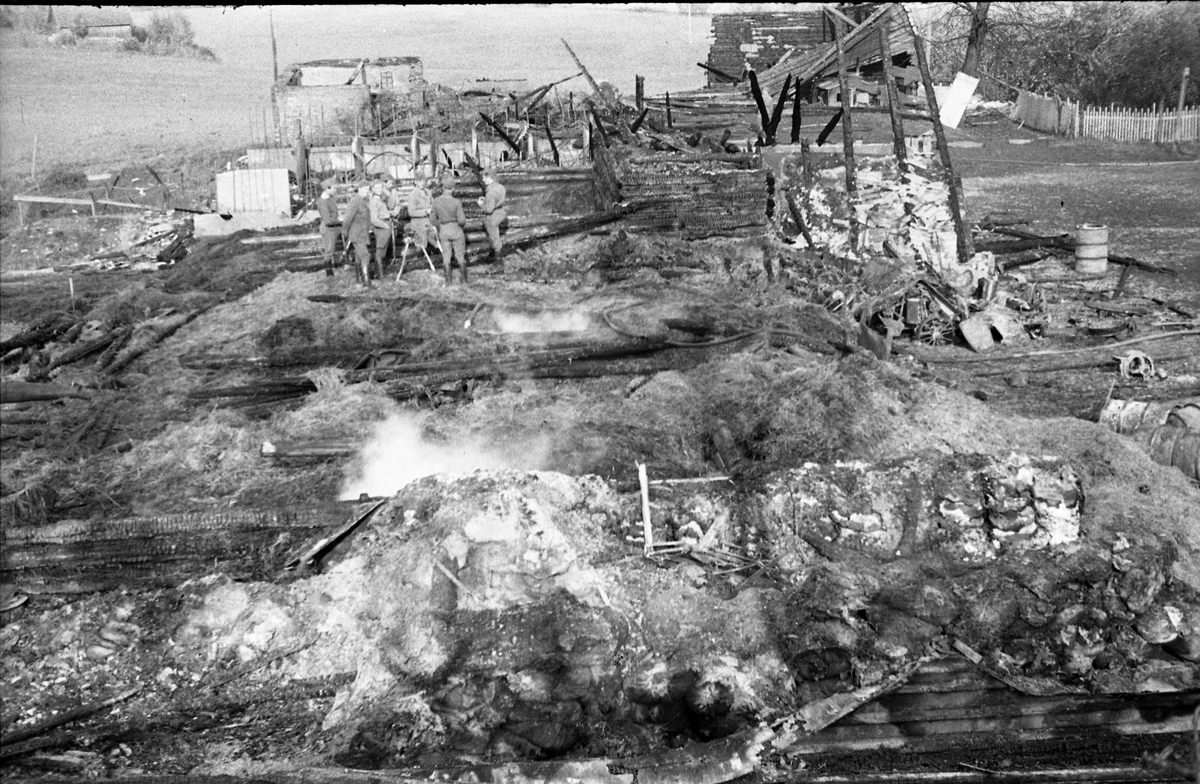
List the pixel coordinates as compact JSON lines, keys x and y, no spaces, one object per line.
{"x":448,"y":218}
{"x":382,"y":213}
{"x":331,"y":226}
{"x":420,"y":205}
{"x":494,"y":213}
{"x":357,"y":227}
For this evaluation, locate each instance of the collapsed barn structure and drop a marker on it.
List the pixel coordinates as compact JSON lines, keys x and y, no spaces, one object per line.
{"x":919,"y":586}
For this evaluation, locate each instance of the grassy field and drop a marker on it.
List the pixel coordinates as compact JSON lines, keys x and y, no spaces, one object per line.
{"x":85,"y":104}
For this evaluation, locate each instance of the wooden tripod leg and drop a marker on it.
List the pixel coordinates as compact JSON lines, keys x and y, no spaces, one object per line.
{"x":403,"y":258}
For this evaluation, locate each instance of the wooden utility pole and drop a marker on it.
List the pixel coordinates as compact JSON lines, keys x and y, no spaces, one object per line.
{"x":274,"y":50}
{"x":1182,"y":97}
{"x":893,"y":95}
{"x":965,"y":245}
{"x":847,"y":133}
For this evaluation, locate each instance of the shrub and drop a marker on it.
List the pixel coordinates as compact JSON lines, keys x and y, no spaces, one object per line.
{"x":64,"y":38}
{"x":171,"y":30}
{"x":79,"y":28}
{"x":168,"y":35}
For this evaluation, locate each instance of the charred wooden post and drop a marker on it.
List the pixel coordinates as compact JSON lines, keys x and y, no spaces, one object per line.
{"x":965,"y":247}
{"x":640,"y":92}
{"x":760,"y":102}
{"x":893,"y":96}
{"x":638,"y":122}
{"x":599,"y":127}
{"x":553,"y":146}
{"x":847,"y":133}
{"x":829,"y":126}
{"x":777,"y":114}
{"x":670,"y":123}
{"x":796,"y":119}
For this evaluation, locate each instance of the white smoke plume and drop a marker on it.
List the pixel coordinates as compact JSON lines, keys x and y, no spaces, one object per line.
{"x":397,"y":453}
{"x":511,"y":321}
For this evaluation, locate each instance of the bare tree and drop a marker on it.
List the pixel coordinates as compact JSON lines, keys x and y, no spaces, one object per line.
{"x":975,"y":38}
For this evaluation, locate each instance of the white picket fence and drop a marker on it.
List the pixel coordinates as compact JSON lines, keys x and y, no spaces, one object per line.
{"x":1138,"y":125}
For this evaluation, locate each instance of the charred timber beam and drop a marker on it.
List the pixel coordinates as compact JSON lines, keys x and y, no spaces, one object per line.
{"x":44,"y":331}
{"x":1065,"y":242}
{"x":760,"y":102}
{"x":638,"y":122}
{"x":24,"y":392}
{"x":503,"y":135}
{"x":829,"y":126}
{"x":796,"y":117}
{"x":717,"y":72}
{"x":553,"y":146}
{"x":796,"y":216}
{"x":777,"y":114}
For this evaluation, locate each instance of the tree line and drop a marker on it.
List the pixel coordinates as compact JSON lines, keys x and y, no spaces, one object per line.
{"x":1097,"y":53}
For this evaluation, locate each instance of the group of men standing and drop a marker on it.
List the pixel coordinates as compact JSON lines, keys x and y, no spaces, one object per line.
{"x":437,"y":221}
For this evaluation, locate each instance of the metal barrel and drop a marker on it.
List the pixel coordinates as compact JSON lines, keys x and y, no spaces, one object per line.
{"x":1091,"y":249}
{"x":1176,"y":446}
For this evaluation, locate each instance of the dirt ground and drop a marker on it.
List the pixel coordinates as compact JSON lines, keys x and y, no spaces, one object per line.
{"x":834,"y":518}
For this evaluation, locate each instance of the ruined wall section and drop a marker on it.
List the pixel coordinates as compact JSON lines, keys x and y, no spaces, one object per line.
{"x":696,"y":198}
{"x":759,"y":39}
{"x":321,"y":111}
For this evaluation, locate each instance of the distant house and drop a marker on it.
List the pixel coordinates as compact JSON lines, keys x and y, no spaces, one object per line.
{"x":99,"y":22}
{"x":339,"y":97}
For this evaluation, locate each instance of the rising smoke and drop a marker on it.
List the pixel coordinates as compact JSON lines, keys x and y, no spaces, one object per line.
{"x":397,"y":453}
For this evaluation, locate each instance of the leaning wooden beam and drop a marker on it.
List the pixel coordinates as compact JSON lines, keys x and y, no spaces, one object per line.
{"x":719,"y":73}
{"x":829,"y":126}
{"x":553,"y":146}
{"x":847,"y":100}
{"x":760,"y":102}
{"x":587,"y":75}
{"x":777,"y":114}
{"x":893,"y":96}
{"x":965,"y":247}
{"x":503,"y":135}
{"x":796,"y":216}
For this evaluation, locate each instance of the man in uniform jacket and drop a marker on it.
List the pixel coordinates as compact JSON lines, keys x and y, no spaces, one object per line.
{"x":382,"y":213}
{"x":331,"y":226}
{"x":420,"y":206}
{"x":357,"y":227}
{"x":494,"y":213}
{"x":448,"y":217}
